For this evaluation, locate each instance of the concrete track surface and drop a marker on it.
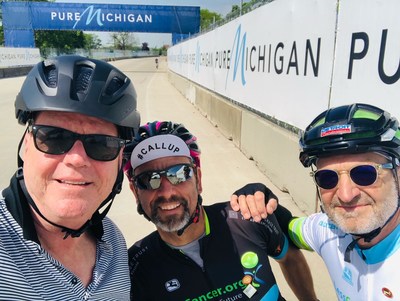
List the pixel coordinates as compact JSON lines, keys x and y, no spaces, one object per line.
{"x":224,"y":167}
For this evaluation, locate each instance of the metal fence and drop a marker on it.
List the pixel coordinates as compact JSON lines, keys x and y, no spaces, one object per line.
{"x":243,"y":9}
{"x":100,"y":54}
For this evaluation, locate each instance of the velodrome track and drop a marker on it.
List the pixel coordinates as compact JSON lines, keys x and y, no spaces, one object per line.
{"x":224,"y":167}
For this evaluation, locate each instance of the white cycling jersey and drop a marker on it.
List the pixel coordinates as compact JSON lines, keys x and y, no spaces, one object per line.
{"x":370,"y":275}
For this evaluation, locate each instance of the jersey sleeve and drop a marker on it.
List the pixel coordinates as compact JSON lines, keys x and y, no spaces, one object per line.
{"x":296,"y":233}
{"x":312,"y":232}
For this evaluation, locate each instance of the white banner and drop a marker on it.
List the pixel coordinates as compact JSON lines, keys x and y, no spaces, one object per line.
{"x":283,"y":58}
{"x":13,"y":57}
{"x":367,"y":65}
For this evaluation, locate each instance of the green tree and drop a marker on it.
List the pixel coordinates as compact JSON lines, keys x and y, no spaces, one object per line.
{"x":244,"y":7}
{"x":92,"y":41}
{"x":207,"y":18}
{"x":63,"y":41}
{"x":235,"y":8}
{"x":1,"y":36}
{"x":123,"y":40}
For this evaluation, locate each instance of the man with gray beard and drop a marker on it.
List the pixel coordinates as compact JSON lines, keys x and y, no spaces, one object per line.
{"x":354,"y":152}
{"x":199,"y":252}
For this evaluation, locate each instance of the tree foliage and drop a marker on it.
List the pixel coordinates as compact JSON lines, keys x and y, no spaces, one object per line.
{"x":207,"y":18}
{"x":123,"y":40}
{"x":242,"y":8}
{"x":63,"y":41}
{"x":1,"y":36}
{"x":92,"y":41}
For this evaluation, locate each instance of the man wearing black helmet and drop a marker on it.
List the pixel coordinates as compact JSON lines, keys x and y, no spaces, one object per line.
{"x":55,"y":241}
{"x":199,"y":252}
{"x":354,"y":153}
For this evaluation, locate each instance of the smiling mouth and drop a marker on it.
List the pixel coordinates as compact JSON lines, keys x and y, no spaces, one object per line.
{"x":352,"y":208}
{"x":169,"y":206}
{"x":74,"y":183}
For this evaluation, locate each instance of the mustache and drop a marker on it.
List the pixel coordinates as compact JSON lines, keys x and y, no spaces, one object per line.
{"x":357,"y":201}
{"x":174,"y":198}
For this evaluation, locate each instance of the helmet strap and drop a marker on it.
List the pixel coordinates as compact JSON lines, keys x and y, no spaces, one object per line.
{"x":395,"y":163}
{"x":350,"y":248}
{"x":194,"y":219}
{"x":141,"y":211}
{"x":20,"y":162}
{"x":367,"y":236}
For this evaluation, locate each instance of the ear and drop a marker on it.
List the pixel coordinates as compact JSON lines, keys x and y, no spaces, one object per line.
{"x":134,"y":190}
{"x":25,"y":143}
{"x":198,"y":180}
{"x":132,"y":187}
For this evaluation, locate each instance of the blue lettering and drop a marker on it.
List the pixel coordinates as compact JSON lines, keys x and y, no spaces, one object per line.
{"x":240,"y":47}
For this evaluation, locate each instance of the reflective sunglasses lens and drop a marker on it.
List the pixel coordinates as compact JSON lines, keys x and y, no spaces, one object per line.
{"x":326,"y":178}
{"x":175,"y":175}
{"x":102,"y":147}
{"x":179,"y":173}
{"x":364,"y":175}
{"x":52,"y":140}
{"x":154,"y":181}
{"x":148,"y":180}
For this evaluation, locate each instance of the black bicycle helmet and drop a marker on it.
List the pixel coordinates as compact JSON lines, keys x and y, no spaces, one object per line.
{"x":350,"y":129}
{"x":77,"y":84}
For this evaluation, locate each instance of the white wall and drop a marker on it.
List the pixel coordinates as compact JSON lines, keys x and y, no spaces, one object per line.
{"x":355,"y":50}
{"x":283,"y":58}
{"x":13,"y":57}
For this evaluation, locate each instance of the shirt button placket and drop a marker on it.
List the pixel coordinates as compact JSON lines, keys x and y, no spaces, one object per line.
{"x":74,"y":281}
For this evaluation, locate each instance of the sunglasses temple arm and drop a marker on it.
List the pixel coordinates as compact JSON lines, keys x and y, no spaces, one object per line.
{"x":20,"y":162}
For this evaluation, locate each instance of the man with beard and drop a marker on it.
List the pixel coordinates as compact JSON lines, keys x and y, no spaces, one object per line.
{"x":354,"y":153}
{"x":199,"y":252}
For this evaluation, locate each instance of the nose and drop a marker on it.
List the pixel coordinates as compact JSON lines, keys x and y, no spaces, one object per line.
{"x":166,"y":189}
{"x":77,"y":155}
{"x":346,"y":189}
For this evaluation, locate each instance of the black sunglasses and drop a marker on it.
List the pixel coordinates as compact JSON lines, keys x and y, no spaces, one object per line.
{"x":57,"y":141}
{"x":362,"y":175}
{"x":176,"y":174}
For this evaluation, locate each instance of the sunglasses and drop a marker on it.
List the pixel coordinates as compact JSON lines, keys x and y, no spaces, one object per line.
{"x":362,"y":175}
{"x":57,"y":141}
{"x":150,"y":180}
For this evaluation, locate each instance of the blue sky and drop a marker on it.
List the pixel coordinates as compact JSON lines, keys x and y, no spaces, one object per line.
{"x":158,"y":39}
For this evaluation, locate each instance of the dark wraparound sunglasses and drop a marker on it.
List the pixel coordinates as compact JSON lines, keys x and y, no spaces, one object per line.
{"x":57,"y":141}
{"x":362,"y":175}
{"x":176,"y":174}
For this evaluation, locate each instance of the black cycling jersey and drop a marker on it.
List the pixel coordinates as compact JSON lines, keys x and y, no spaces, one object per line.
{"x":235,"y":262}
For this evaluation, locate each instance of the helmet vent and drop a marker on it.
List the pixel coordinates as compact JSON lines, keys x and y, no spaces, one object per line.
{"x":115,"y":84}
{"x":83,"y":79}
{"x":50,"y":74}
